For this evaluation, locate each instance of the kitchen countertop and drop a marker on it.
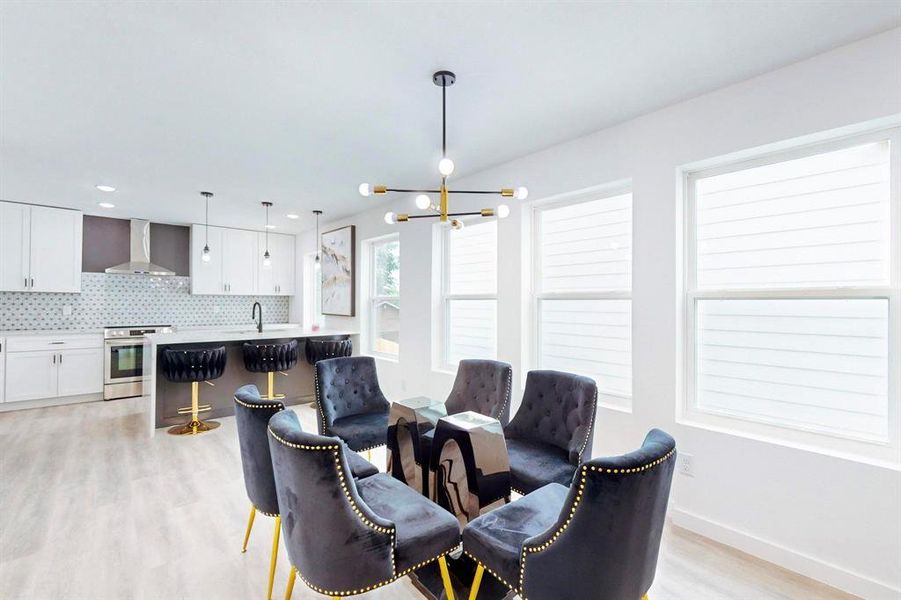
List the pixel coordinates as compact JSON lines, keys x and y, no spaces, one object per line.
{"x":51,"y":332}
{"x":246,"y":333}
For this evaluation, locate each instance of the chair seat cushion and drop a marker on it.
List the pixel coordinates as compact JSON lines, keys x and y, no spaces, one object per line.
{"x":495,"y":539}
{"x":535,"y":464}
{"x":424,"y":530}
{"x":359,"y":466}
{"x":362,"y":431}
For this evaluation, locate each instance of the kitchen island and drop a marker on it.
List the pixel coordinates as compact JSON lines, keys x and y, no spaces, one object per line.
{"x":164,"y":398}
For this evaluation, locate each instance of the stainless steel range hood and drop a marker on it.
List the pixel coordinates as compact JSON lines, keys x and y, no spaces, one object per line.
{"x":140,"y":253}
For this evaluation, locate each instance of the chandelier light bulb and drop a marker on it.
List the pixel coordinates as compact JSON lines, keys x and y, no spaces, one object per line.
{"x":521,"y":193}
{"x":423,"y":201}
{"x":267,"y":259}
{"x":365,"y":190}
{"x":457,"y":224}
{"x":205,"y":256}
{"x":446,"y":166}
{"x":503,"y":211}
{"x":390,"y":218}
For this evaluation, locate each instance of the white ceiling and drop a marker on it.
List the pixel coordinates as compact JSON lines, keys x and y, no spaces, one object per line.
{"x":298,"y":103}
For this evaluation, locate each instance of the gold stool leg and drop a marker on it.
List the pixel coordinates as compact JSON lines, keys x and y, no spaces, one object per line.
{"x":369,"y":455}
{"x":278,"y":528}
{"x":645,"y":597}
{"x":290,"y":587}
{"x":445,"y":576}
{"x":253,"y":512}
{"x":476,"y":582}
{"x":196,"y":425}
{"x":270,"y":381}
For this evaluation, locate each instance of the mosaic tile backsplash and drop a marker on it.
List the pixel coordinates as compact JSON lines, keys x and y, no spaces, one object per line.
{"x":108,"y":299}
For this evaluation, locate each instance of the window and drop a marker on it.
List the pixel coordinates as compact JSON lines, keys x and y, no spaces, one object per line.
{"x":792,"y":293}
{"x":383,"y":311}
{"x":469,"y":293}
{"x":582,"y":290}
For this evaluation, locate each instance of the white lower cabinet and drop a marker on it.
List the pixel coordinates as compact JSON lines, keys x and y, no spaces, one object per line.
{"x":80,"y":372}
{"x":39,"y":367}
{"x":31,"y":375}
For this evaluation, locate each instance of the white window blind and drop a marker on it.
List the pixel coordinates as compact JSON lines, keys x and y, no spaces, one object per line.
{"x":470,"y":292}
{"x":583,"y":286}
{"x":791,"y":292}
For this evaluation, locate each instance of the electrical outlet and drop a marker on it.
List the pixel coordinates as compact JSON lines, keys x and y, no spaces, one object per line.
{"x":687,"y":465}
{"x":67,"y":310}
{"x":216,"y":309}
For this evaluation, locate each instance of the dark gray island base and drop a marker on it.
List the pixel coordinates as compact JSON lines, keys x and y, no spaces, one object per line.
{"x":167,"y":397}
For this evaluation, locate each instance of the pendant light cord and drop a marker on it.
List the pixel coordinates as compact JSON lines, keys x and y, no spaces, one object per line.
{"x":443,"y":122}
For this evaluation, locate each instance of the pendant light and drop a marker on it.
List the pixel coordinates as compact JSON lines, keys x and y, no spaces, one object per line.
{"x":267,"y":258}
{"x":317,"y":263}
{"x":205,"y":254}
{"x":441,"y":210}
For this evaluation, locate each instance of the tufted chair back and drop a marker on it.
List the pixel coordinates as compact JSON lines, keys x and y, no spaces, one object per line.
{"x":252,"y":416}
{"x":321,"y":349}
{"x":267,"y":358}
{"x":607,"y":536}
{"x":482,"y":386}
{"x":348,"y":386}
{"x":333,"y":539}
{"x":557,"y":409}
{"x":183,"y":366}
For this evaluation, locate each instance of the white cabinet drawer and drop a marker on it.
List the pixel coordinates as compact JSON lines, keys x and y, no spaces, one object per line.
{"x":29,"y":343}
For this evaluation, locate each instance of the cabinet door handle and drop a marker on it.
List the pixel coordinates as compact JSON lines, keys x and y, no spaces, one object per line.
{"x":26,"y":282}
{"x":54,"y":359}
{"x":60,"y":359}
{"x":32,"y":283}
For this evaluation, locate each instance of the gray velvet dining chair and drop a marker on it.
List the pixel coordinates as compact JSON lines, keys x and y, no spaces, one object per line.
{"x":598,"y":538}
{"x":252,"y":414}
{"x":345,"y":536}
{"x":551,"y":433}
{"x":350,"y":402}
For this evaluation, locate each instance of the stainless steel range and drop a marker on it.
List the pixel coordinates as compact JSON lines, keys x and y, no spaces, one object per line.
{"x":123,"y":362}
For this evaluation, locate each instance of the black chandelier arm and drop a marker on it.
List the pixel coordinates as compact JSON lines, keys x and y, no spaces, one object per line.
{"x":476,"y":213}
{"x":407,"y":191}
{"x":495,"y":192}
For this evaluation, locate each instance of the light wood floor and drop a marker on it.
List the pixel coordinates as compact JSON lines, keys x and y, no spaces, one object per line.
{"x":90,"y":508}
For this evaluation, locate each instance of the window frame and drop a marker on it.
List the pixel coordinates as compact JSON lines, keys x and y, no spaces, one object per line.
{"x":609,"y":400}
{"x":810,"y":438}
{"x":445,"y":298}
{"x":369,"y":334}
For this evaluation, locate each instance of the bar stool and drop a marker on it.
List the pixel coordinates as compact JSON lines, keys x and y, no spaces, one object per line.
{"x":269,"y":359}
{"x":194,"y":366}
{"x":322,"y":349}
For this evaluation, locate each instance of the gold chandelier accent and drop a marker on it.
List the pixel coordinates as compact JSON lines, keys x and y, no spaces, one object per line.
{"x":444,"y":79}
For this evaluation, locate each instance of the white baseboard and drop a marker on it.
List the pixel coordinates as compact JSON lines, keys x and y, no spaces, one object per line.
{"x":809,"y":566}
{"x":45,"y":402}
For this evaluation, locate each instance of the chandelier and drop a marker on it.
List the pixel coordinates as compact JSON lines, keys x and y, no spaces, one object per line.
{"x":441,"y":210}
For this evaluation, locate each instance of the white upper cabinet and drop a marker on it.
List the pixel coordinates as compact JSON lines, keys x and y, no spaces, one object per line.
{"x":239,"y":256}
{"x":236,"y":262}
{"x":278,"y":278}
{"x":206,"y":277}
{"x":40,"y":248}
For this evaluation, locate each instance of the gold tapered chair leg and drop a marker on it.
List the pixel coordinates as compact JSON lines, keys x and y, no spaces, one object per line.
{"x":476,"y":582}
{"x":369,"y":455}
{"x":253,"y":513}
{"x":645,"y":597}
{"x":290,"y":587}
{"x":445,"y":577}
{"x":272,"y":561}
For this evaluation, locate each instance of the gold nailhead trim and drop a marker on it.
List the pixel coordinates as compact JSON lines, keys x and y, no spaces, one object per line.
{"x":279,"y":406}
{"x":487,"y":568}
{"x":585,"y":468}
{"x":368,"y":588}
{"x":594,"y":410}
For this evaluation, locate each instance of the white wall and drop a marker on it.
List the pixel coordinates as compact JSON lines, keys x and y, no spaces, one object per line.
{"x":831,"y":518}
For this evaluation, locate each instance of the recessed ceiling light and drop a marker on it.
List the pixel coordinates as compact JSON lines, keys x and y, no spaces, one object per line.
{"x":270,"y":226}
{"x":105,"y":188}
{"x":106,"y":205}
{"x":293,"y":216}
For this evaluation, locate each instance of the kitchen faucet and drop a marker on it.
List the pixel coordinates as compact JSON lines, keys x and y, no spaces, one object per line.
{"x":254,"y":316}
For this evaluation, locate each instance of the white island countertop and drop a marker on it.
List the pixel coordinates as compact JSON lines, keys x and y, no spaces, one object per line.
{"x":238,"y":334}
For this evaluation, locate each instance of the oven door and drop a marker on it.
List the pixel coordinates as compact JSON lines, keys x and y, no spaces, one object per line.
{"x":124,"y":361}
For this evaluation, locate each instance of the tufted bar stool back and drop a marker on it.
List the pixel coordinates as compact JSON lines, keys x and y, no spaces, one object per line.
{"x":271,"y":359}
{"x":482,"y":386}
{"x":193,"y":366}
{"x":322,"y":349}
